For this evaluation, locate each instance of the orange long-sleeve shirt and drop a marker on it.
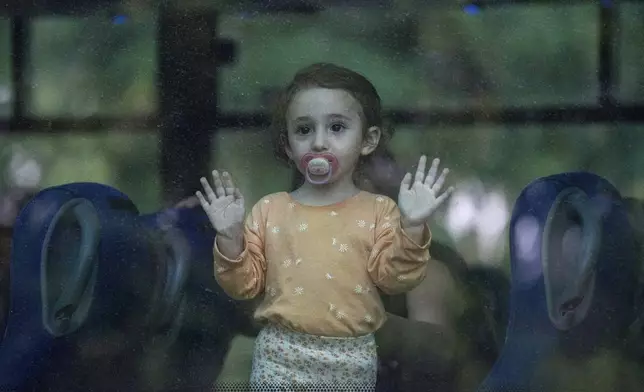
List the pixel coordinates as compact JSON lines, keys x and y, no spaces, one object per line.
{"x":318,"y":266}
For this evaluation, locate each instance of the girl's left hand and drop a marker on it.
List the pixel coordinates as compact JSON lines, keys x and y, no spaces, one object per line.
{"x":418,"y":200}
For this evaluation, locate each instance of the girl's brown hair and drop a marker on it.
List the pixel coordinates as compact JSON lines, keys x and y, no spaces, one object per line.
{"x":331,"y":76}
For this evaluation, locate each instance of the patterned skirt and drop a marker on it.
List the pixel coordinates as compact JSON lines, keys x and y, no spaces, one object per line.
{"x":284,"y":360}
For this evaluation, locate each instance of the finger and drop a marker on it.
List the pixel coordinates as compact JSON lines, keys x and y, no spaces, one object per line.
{"x":420,"y":171}
{"x":441,"y":180}
{"x":202,"y":200}
{"x":229,"y":184}
{"x":405,"y":184}
{"x":227,"y":181}
{"x":209,"y":192}
{"x":442,"y":198}
{"x":219,"y":185}
{"x":431,"y":175}
{"x":238,"y":195}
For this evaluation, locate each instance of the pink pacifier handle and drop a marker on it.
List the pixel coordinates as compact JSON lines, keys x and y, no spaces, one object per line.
{"x":330,"y":158}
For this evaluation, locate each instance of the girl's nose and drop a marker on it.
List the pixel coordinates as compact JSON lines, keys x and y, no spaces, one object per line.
{"x":320,"y":142}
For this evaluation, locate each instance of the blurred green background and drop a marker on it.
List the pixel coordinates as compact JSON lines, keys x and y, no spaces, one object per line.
{"x":418,"y":57}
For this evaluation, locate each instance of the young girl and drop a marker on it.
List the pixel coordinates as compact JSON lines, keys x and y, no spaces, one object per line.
{"x":319,"y":255}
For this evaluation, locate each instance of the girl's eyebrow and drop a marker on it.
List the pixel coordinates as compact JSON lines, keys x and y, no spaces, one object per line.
{"x":331,"y":116}
{"x":339,"y":116}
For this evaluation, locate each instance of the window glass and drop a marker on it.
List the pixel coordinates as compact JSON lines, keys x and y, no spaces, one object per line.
{"x":95,"y":65}
{"x":491,"y":165}
{"x":125,"y":160}
{"x":630,"y":53}
{"x":248,"y":155}
{"x":6,"y":85}
{"x":435,"y":57}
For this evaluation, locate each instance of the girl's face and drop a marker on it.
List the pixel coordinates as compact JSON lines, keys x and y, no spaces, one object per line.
{"x":328,"y":121}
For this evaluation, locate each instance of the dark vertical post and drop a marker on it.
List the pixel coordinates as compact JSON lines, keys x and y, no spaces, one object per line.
{"x":607,"y":52}
{"x":19,"y":57}
{"x":188,"y":99}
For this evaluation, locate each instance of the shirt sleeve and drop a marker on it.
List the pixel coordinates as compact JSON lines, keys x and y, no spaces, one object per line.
{"x":245,"y":276}
{"x":396,"y":264}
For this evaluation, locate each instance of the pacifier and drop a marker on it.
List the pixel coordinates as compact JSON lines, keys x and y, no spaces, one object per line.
{"x":319,"y":168}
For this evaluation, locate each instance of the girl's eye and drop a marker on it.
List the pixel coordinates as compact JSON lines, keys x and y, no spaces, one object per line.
{"x":303,"y":130}
{"x":338,"y":127}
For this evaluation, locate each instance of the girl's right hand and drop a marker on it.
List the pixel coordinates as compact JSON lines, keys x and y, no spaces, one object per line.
{"x":224,"y":206}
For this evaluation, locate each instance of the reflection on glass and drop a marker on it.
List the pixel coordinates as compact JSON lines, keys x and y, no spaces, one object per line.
{"x":473,"y":210}
{"x":436,"y":57}
{"x":127,"y":161}
{"x":5,"y":68}
{"x":248,"y":155}
{"x":491,"y":165}
{"x":526,"y":232}
{"x":96,"y":65}
{"x":630,"y":53}
{"x":528,"y":55}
